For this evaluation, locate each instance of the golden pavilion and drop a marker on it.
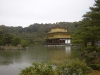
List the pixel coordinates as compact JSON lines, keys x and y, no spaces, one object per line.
{"x":58,"y":36}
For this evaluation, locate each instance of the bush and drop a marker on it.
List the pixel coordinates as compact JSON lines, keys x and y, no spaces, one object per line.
{"x":90,"y":48}
{"x":95,"y":66}
{"x":38,"y":69}
{"x":74,"y":66}
{"x":91,"y":54}
{"x":24,"y":43}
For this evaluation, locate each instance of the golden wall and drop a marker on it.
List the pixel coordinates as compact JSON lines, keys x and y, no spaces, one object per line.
{"x":58,"y":30}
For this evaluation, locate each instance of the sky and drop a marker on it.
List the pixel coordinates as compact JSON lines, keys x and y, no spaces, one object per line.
{"x":26,"y":12}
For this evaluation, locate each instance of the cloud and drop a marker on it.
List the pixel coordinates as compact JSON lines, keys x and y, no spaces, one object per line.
{"x":26,"y":12}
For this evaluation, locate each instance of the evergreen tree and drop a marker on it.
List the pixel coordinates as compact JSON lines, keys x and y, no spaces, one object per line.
{"x":90,"y":25}
{"x":93,"y":18}
{"x":89,"y":32}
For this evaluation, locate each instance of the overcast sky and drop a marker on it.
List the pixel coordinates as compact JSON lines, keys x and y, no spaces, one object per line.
{"x":26,"y":12}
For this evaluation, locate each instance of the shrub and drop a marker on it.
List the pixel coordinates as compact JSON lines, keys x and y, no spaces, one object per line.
{"x":24,"y":43}
{"x":38,"y":69}
{"x":73,"y":66}
{"x":90,"y":48}
{"x":95,"y":66}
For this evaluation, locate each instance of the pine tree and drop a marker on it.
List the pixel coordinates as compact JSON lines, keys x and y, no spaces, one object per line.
{"x":94,"y":22}
{"x":90,"y":25}
{"x":89,"y":32}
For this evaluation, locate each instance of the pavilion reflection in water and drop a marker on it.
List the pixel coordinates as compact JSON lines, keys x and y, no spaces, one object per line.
{"x":68,"y":49}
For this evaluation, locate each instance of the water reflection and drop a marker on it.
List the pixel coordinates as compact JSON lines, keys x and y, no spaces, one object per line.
{"x":68,"y":49}
{"x":12,"y":69}
{"x":59,"y":55}
{"x":8,"y":57}
{"x":12,"y":60}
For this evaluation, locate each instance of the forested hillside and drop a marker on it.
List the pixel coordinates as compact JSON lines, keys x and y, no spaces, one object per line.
{"x":33,"y":34}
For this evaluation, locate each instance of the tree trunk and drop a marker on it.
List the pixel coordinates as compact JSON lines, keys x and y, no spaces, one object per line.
{"x":92,"y":42}
{"x":85,"y":44}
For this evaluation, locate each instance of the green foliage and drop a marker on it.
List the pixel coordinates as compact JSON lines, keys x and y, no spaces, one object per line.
{"x":92,"y":56}
{"x":88,"y":35}
{"x":74,"y":66}
{"x":38,"y":69}
{"x":6,"y":39}
{"x":76,"y":37}
{"x":90,"y":26}
{"x":24,"y":43}
{"x":16,"y":41}
{"x":95,"y":66}
{"x":90,"y":48}
{"x":35,"y":33}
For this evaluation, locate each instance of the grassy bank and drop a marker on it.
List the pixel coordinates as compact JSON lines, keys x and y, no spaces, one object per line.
{"x":11,"y":48}
{"x":94,"y":72}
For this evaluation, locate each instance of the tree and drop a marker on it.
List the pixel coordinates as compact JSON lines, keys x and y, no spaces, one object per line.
{"x":7,"y":39}
{"x":90,"y":25}
{"x":16,"y":41}
{"x":90,"y":33}
{"x":24,"y":43}
{"x":92,"y":19}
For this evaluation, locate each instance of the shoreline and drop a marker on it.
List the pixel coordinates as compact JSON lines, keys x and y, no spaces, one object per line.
{"x":11,"y":48}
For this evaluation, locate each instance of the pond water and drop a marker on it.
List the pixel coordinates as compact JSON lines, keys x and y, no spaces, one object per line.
{"x":12,"y":61}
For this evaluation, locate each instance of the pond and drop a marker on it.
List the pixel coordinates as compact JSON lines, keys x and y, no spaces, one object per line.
{"x":12,"y":61}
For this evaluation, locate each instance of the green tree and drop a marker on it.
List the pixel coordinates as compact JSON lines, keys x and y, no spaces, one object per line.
{"x":90,"y":25}
{"x":7,"y":39}
{"x":24,"y":43}
{"x":90,"y":33}
{"x":92,"y":19}
{"x":16,"y":41}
